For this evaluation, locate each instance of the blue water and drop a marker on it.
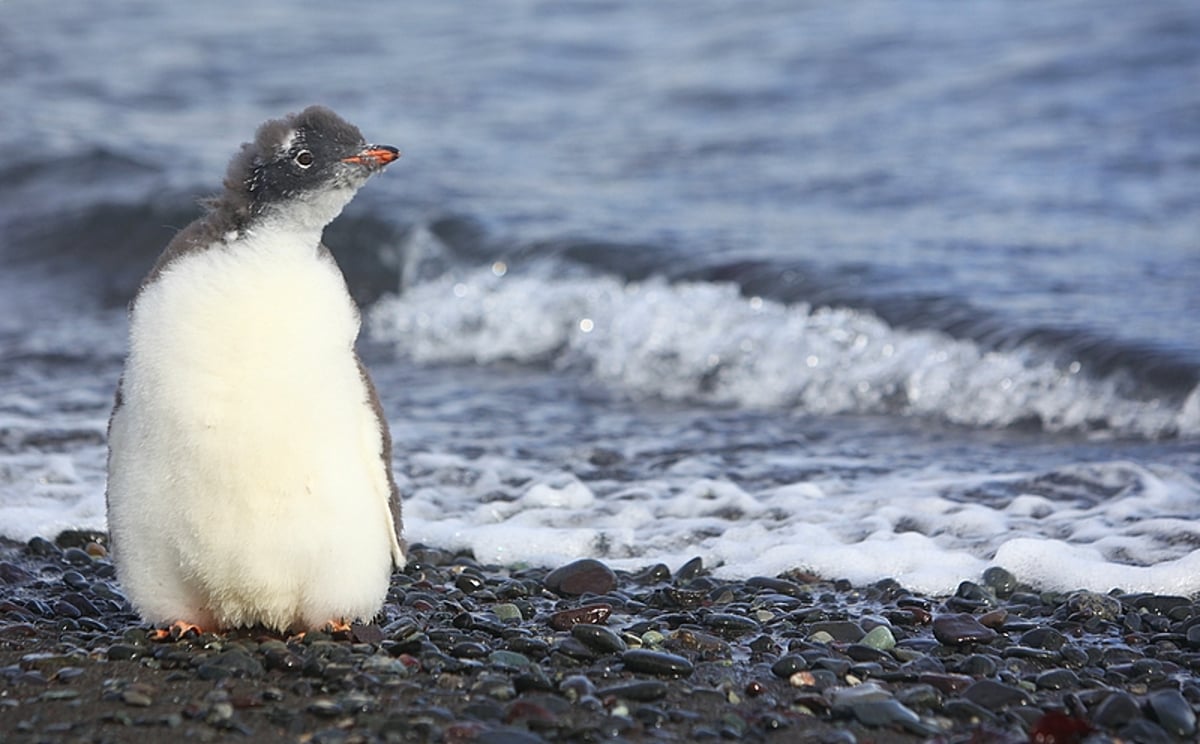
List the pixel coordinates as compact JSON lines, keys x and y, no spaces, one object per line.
{"x":894,"y":251}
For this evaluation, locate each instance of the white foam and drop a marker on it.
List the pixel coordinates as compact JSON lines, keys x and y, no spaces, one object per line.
{"x":1097,"y":526}
{"x":705,"y":342}
{"x":923,"y":527}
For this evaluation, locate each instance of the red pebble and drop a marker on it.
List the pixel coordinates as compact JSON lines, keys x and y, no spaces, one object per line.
{"x":1056,"y":727}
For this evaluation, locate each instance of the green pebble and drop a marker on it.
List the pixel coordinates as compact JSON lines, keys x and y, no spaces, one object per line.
{"x":652,"y":639}
{"x":821,"y":636}
{"x":508,"y":659}
{"x":879,"y":637}
{"x":507,"y":612}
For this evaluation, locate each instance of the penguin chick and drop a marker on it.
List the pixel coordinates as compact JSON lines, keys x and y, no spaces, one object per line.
{"x":249,"y":461}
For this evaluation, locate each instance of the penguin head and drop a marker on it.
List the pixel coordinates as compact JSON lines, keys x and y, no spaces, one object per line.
{"x":305,"y":166}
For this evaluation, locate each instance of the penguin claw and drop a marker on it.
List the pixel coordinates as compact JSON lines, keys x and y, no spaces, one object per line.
{"x":175,"y":631}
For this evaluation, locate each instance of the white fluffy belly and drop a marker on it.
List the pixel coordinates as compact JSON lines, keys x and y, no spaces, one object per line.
{"x":246,"y":484}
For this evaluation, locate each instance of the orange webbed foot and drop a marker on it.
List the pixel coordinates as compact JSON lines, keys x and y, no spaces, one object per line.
{"x":176,"y":631}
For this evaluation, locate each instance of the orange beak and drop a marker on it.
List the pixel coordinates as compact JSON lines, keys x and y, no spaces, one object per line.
{"x":374,"y":156}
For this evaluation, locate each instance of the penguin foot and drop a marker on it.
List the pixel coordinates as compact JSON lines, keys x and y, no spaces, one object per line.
{"x":176,"y":631}
{"x":334,"y":627}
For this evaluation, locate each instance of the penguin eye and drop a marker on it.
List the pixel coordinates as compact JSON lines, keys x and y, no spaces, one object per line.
{"x":304,"y":158}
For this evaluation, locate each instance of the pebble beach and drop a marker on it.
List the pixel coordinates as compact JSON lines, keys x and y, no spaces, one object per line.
{"x":464,"y":652}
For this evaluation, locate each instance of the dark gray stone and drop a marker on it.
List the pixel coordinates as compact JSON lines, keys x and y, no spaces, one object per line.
{"x":657,"y":662}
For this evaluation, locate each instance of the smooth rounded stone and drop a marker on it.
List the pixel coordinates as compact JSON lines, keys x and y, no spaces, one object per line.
{"x":575,"y":648}
{"x":1172,"y":712}
{"x":789,"y":664}
{"x":469,"y":583}
{"x":584,"y":576}
{"x":731,"y":625}
{"x":960,"y":629}
{"x":1143,"y":731}
{"x":1074,"y":656}
{"x":576,"y":686}
{"x":1057,"y":679}
{"x":77,"y":557}
{"x":1043,"y":637}
{"x":136,"y":698}
{"x":509,"y":659}
{"x":780,"y":586}
{"x":1193,"y":636}
{"x":657,"y":662}
{"x":974,"y":592}
{"x":1161,"y":604}
{"x":1087,"y":604}
{"x":655,"y":574}
{"x":950,"y":684}
{"x":72,"y":579}
{"x":845,"y":698}
{"x":507,"y":612}
{"x":1116,"y":710}
{"x":995,"y":696}
{"x":11,"y":573}
{"x":599,"y":638}
{"x":1034,"y":654}
{"x":508,"y":736}
{"x":533,"y":678}
{"x":863,"y":653}
{"x":919,"y":696}
{"x":689,"y":570}
{"x":821,"y":679}
{"x":43,"y":548}
{"x":1000,"y":581}
{"x":840,"y":630}
{"x":469,"y":650}
{"x":880,"y":637}
{"x":979,"y":665}
{"x":643,"y":691}
{"x":532,"y":647}
{"x":708,"y":646}
{"x":325,"y":708}
{"x":593,"y":614}
{"x":879,"y":713}
{"x":63,"y":608}
{"x":840,"y":667}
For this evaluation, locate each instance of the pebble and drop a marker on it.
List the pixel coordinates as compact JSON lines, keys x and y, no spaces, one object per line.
{"x":657,"y":662}
{"x":585,"y":576}
{"x":880,"y":637}
{"x":1173,"y":712}
{"x":839,"y":630}
{"x":788,"y":665}
{"x":645,"y":691}
{"x":1116,"y":710}
{"x":599,"y":638}
{"x":1000,"y":581}
{"x":960,"y":629}
{"x":492,"y":652}
{"x":1092,"y":605}
{"x":594,"y":614}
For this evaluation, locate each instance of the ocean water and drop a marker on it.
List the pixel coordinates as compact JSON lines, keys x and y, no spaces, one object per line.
{"x":869,"y":290}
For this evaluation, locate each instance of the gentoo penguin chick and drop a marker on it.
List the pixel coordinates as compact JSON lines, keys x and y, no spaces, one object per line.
{"x":249,"y":464}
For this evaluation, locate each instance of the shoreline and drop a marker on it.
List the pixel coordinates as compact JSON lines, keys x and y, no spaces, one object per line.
{"x":469,"y":653}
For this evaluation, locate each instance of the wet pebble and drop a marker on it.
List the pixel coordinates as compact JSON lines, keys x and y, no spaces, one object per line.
{"x":594,"y":614}
{"x":657,"y":662}
{"x":599,"y":638}
{"x":994,"y":695}
{"x":585,"y":576}
{"x":960,"y":629}
{"x":645,"y":691}
{"x":1116,"y":710}
{"x":1173,"y":712}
